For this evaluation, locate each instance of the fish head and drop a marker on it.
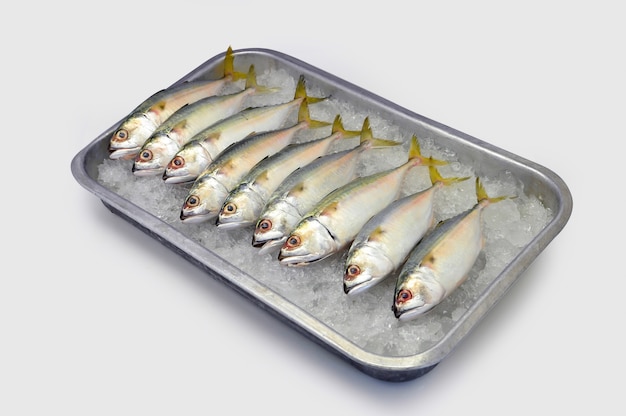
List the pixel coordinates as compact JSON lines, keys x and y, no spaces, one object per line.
{"x":240,"y":208}
{"x":309,"y":242}
{"x":130,"y":136}
{"x":203,"y":201}
{"x":187,"y":164}
{"x":365,"y":267}
{"x":154,"y":156}
{"x":417,"y":291}
{"x":274,"y":225}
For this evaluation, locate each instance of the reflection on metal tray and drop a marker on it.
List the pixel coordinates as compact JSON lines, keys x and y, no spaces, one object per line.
{"x":486,"y":160}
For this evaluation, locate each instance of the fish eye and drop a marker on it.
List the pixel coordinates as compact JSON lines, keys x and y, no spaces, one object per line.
{"x":230,"y":208}
{"x":352,"y":271}
{"x":145,"y":155}
{"x":121,"y":135}
{"x":293,"y":241}
{"x":264,"y":225}
{"x":192,"y":201}
{"x":404,"y":295}
{"x":178,"y":162}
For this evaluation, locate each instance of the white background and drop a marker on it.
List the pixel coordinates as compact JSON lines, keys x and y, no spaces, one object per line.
{"x":97,"y":318}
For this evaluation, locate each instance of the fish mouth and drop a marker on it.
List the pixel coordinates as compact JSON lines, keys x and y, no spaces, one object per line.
{"x":137,"y":171}
{"x":177,"y":179}
{"x":196,"y":218}
{"x":231,"y":225}
{"x":300,"y":260}
{"x":404,"y":315}
{"x":269,"y":245}
{"x":354,"y":290}
{"x":128,"y":153}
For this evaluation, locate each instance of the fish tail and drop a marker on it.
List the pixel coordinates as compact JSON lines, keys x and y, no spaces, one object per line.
{"x":229,"y":66}
{"x":338,"y":128}
{"x":304,"y":116}
{"x":368,"y":139}
{"x":251,"y":83}
{"x":301,"y":92}
{"x":484,"y":198}
{"x":435,"y":177}
{"x":415,"y":155}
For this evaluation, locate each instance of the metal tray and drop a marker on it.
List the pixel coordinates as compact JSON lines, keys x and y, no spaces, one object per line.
{"x":487,"y":160}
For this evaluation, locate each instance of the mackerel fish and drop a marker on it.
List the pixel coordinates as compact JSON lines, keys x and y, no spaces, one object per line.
{"x":441,"y":262}
{"x":386,"y":239}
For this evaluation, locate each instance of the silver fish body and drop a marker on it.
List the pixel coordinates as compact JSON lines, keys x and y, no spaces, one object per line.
{"x":207,"y":194}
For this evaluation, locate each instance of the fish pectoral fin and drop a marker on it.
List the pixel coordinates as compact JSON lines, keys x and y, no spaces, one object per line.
{"x":253,"y":133}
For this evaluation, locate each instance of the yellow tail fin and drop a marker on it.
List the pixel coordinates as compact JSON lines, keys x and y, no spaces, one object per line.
{"x":305,"y":116}
{"x":415,"y":154}
{"x":481,"y":194}
{"x":229,"y":66}
{"x":301,"y":92}
{"x":338,"y":128}
{"x":436,"y":177}
{"x":368,"y":137}
{"x":251,"y":82}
